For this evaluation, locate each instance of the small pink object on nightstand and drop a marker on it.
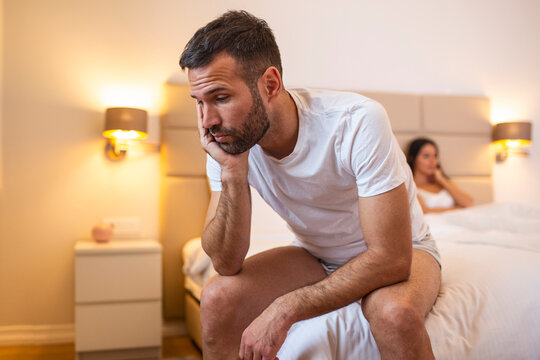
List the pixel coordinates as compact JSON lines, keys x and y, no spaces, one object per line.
{"x":102,"y":232}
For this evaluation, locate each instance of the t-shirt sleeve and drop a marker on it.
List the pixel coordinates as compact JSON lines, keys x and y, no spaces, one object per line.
{"x":372,"y":152}
{"x":213,"y":171}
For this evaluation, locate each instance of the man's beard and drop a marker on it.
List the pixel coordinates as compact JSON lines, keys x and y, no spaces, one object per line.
{"x":251,"y":131}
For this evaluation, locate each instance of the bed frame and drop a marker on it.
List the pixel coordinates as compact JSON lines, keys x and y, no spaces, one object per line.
{"x":459,"y":125}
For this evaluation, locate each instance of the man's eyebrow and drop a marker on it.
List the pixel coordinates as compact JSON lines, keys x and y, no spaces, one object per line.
{"x":211,"y":91}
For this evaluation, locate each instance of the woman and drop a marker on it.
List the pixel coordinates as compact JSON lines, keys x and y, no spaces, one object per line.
{"x":436,"y":192}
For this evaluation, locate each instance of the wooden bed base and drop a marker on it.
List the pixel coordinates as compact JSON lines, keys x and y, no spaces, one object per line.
{"x":193,"y":323}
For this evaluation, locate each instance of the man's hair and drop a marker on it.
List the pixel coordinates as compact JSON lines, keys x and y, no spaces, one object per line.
{"x":248,"y":39}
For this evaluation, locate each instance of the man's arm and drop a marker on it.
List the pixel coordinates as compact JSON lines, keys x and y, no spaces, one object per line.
{"x":225,"y":236}
{"x":386,"y":225}
{"x":385,"y":222}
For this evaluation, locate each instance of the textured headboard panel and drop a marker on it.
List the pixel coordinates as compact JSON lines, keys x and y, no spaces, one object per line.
{"x":456,"y":114}
{"x":459,"y":125}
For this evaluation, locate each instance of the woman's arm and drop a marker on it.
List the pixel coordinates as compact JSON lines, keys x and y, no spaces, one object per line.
{"x":427,"y":210}
{"x":461,"y":198}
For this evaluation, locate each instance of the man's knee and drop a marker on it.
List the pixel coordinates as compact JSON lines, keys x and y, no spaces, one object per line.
{"x":398,"y":316}
{"x":218,"y":297}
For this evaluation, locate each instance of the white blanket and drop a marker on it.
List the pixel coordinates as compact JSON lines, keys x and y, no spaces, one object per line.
{"x":489,"y":304}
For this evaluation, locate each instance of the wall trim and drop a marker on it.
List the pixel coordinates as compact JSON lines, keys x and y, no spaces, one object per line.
{"x":64,"y":333}
{"x":174,"y":328}
{"x":37,"y":334}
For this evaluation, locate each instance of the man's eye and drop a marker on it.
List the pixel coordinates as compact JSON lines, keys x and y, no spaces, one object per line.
{"x":222,"y":98}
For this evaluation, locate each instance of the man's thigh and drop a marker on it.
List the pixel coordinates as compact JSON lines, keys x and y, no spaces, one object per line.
{"x":263,"y":278}
{"x":420,"y":290}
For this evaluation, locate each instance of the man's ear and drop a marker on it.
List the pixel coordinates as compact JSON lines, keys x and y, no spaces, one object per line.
{"x":271,"y":83}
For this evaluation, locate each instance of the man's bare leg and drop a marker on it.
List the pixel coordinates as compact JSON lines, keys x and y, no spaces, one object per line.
{"x":230,"y":303}
{"x":396,"y":313}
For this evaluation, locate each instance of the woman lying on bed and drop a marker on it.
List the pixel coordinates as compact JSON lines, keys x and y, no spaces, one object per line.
{"x":436,"y":192}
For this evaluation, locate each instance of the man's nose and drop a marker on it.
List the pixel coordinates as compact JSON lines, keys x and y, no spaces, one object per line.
{"x":210,"y":117}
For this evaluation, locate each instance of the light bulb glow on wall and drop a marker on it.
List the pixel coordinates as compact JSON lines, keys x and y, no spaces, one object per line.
{"x":126,"y":97}
{"x":501,"y":113}
{"x":124,"y":134}
{"x":123,"y":125}
{"x":511,"y":136}
{"x":513,"y":144}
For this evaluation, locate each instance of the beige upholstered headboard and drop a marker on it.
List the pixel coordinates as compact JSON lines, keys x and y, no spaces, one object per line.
{"x":458,"y":124}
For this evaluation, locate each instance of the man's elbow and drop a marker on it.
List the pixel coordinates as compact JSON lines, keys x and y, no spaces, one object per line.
{"x":226,"y":268}
{"x":398,"y":266}
{"x":402,"y":269}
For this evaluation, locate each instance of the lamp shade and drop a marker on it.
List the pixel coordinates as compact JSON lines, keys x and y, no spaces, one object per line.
{"x":512,"y":134}
{"x":125,"y":123}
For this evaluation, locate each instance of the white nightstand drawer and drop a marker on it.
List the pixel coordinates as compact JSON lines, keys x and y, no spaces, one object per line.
{"x":116,"y":277}
{"x":117,"y":326}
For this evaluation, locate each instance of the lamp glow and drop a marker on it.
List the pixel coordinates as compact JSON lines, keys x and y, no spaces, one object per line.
{"x":124,"y":134}
{"x":511,"y":136}
{"x":133,"y":97}
{"x":514,"y":144}
{"x":121,"y":126}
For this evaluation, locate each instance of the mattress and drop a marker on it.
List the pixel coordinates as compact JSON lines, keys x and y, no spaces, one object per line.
{"x":197,"y":265}
{"x":488,"y":306}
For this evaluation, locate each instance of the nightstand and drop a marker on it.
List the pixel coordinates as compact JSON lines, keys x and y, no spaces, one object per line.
{"x":118,"y":300}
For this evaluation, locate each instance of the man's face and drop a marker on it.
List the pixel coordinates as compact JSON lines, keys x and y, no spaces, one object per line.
{"x":233,"y":113}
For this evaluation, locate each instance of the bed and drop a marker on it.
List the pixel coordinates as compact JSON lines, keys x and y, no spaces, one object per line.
{"x":489,"y":273}
{"x":488,"y":306}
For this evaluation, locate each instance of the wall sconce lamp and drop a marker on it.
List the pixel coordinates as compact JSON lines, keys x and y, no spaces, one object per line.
{"x":123,"y":125}
{"x":511,"y":137}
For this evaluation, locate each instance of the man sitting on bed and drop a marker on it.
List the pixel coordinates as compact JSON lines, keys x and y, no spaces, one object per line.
{"x":328,"y":163}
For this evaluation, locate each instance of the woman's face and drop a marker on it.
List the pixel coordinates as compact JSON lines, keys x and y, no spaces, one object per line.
{"x":427,"y":160}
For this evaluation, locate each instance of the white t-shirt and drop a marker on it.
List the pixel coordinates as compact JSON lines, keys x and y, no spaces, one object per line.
{"x":442,"y":199}
{"x":345,"y":150}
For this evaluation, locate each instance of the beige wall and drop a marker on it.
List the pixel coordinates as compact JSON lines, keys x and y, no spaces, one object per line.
{"x":63,"y":62}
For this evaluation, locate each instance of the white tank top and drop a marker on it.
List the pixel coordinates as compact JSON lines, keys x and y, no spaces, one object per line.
{"x":442,"y":199}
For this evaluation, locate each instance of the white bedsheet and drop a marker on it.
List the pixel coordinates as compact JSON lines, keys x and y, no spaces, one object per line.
{"x":488,"y":307}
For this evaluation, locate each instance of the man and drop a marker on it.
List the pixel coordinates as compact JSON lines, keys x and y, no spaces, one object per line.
{"x":328,"y":163}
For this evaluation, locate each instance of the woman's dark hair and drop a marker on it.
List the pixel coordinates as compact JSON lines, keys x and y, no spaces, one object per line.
{"x":248,"y":39}
{"x":414,"y":148}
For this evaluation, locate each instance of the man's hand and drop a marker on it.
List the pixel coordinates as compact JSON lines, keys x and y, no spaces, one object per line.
{"x":228,"y":162}
{"x":263,"y":338}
